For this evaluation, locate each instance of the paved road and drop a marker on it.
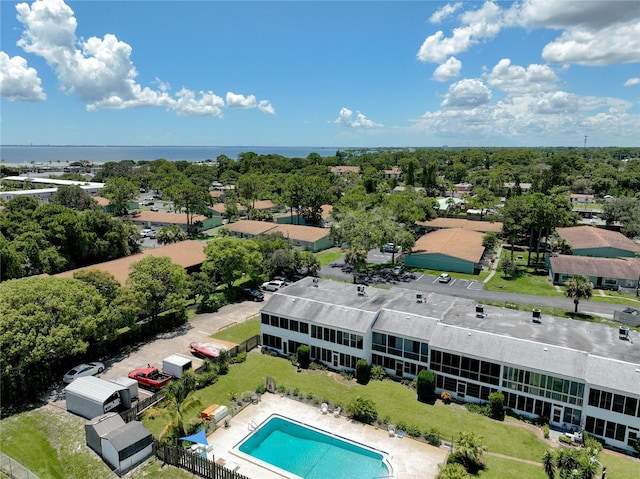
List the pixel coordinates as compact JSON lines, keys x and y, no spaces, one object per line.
{"x":475,"y":290}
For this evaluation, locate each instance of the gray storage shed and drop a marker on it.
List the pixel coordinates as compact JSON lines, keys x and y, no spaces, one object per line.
{"x":90,"y":396}
{"x":126,"y":447}
{"x":131,"y":393}
{"x":98,"y":427}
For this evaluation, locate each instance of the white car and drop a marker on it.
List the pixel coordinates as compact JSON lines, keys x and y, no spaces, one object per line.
{"x":274,"y":285}
{"x":89,"y":369}
{"x":444,"y":278}
{"x":146,"y":232}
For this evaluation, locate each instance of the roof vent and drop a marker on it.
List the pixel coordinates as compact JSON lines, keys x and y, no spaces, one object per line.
{"x":537,"y":316}
{"x":623,"y":333}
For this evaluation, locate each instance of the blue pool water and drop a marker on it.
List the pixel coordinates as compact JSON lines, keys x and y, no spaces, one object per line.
{"x":311,"y":453}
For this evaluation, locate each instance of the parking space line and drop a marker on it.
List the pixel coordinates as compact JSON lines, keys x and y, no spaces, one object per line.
{"x":452,"y":281}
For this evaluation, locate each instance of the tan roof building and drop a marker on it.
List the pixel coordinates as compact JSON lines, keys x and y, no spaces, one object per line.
{"x":102,"y":201}
{"x":606,"y":273}
{"x":445,"y":223}
{"x":220,"y":208}
{"x":162,"y":217}
{"x":453,"y":249}
{"x":591,"y":241}
{"x":188,"y":254}
{"x":264,"y":205}
{"x":305,"y":237}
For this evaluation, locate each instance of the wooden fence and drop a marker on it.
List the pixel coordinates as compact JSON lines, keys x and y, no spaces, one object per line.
{"x":194,"y":463}
{"x":133,"y":413}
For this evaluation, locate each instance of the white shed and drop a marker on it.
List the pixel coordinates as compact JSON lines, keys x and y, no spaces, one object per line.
{"x":90,"y":396}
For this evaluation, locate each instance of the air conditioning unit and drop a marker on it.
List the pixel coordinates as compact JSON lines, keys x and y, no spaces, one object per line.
{"x":537,"y":315}
{"x":623,"y":333}
{"x":419,"y":298}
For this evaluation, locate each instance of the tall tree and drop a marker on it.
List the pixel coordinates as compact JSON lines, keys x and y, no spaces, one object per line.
{"x":228,"y":259}
{"x":74,"y":197}
{"x":119,"y":191}
{"x":159,"y":285}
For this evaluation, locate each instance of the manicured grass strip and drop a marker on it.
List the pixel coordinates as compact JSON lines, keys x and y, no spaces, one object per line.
{"x":500,"y":468}
{"x":619,"y":466}
{"x":239,"y":332}
{"x":329,"y":256}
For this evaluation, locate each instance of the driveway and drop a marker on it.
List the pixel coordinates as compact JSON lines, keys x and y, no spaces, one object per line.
{"x":199,"y":328}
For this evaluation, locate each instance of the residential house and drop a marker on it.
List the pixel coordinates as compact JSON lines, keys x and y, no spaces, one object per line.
{"x":453,"y":249}
{"x":188,"y":254}
{"x":447,"y":223}
{"x":304,"y":237}
{"x":604,"y":273}
{"x":598,"y":242}
{"x":344,"y":170}
{"x":161,"y":219}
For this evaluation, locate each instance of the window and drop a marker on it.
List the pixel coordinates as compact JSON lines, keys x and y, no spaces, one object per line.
{"x":630,"y":406}
{"x":304,"y":328}
{"x":618,"y":403}
{"x":264,"y":318}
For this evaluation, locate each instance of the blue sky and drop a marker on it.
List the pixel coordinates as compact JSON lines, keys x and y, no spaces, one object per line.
{"x":320,"y":73}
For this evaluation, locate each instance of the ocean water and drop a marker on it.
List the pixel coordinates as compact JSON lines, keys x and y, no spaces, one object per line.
{"x":101,"y":154}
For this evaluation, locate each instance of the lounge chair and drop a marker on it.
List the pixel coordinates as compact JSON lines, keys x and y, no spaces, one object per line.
{"x":336,"y":412}
{"x":324,"y":407}
{"x":392,"y":430}
{"x":400,"y":433}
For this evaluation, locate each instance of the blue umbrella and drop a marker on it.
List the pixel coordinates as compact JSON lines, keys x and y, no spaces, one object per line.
{"x":199,"y":438}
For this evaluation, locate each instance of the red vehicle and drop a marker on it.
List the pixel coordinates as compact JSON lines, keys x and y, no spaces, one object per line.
{"x":151,"y":378}
{"x":207,"y":350}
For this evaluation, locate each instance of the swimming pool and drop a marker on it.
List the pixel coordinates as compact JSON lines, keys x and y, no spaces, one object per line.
{"x":311,"y":453}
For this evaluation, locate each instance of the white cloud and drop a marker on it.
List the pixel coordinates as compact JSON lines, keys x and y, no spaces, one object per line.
{"x":481,"y":24}
{"x":446,"y":11}
{"x":18,"y":81}
{"x":100,"y":70}
{"x":345,"y":118}
{"x":632,"y":81}
{"x":514,"y":78}
{"x":467,"y":94}
{"x":594,"y":33}
{"x":265,"y":107}
{"x":240,"y":101}
{"x":448,"y":70}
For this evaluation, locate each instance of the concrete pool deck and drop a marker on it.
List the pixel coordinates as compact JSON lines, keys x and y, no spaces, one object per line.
{"x":409,"y":458}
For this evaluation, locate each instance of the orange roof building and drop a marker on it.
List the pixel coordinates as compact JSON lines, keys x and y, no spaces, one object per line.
{"x":453,"y":249}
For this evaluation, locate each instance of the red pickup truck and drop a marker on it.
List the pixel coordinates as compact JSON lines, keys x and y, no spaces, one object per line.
{"x":151,"y":378}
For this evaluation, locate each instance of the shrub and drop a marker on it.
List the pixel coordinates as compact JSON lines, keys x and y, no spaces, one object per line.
{"x":426,"y":385}
{"x":239,"y":358}
{"x":269,"y":352}
{"x":545,"y":431}
{"x":496,"y":405}
{"x":378,"y":373}
{"x":446,"y":397}
{"x":282,"y":389}
{"x":304,"y":356}
{"x":212,"y":303}
{"x":363,"y":410}
{"x":482,"y":409}
{"x":362,"y":371}
{"x":261,"y":389}
{"x":566,"y":440}
{"x":413,"y":431}
{"x":432,"y":436}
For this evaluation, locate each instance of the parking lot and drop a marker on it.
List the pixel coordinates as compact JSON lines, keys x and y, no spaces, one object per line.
{"x":199,"y":328}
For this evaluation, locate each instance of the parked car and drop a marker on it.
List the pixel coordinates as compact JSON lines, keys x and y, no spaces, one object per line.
{"x":273,"y":285}
{"x":151,"y":378}
{"x":145,"y":232}
{"x":152,"y":234}
{"x":88,"y":369}
{"x":390,"y":248}
{"x":444,"y":278}
{"x":252,"y":294}
{"x":154,"y":208}
{"x":286,"y":281}
{"x":206,"y":350}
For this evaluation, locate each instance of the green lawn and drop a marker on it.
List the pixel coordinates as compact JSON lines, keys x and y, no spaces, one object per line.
{"x":500,"y":468}
{"x":329,"y":256}
{"x":239,"y":332}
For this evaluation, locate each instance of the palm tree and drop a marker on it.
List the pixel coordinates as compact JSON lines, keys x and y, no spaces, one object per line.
{"x":469,"y":449}
{"x":178,"y":400}
{"x":577,"y":288}
{"x":549,"y":464}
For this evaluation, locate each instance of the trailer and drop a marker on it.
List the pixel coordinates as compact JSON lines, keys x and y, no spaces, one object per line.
{"x":176,"y":365}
